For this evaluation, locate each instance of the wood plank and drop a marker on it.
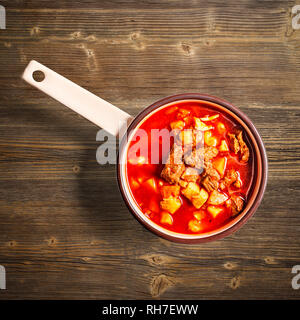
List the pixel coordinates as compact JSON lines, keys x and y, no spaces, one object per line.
{"x":205,"y":21}
{"x":65,"y":232}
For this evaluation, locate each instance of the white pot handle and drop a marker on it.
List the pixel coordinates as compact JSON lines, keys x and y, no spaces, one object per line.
{"x":93,"y":108}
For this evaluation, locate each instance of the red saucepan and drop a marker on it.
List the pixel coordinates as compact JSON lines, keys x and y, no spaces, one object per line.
{"x":109,"y":117}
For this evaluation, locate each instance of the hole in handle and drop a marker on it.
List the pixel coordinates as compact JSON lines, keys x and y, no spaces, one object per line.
{"x":38,"y":76}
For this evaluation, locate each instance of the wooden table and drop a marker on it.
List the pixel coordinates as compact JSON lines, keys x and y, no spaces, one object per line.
{"x":65,"y":232}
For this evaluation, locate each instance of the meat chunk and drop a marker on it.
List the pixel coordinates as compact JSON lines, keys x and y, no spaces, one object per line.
{"x":231,"y":177}
{"x":234,"y":143}
{"x":189,"y":139}
{"x":190,"y":157}
{"x":190,"y":174}
{"x":210,"y":177}
{"x":210,"y":153}
{"x":199,"y":158}
{"x":194,"y":157}
{"x":209,"y":183}
{"x":236,"y":203}
{"x":243,"y":147}
{"x":182,"y":113}
{"x":211,"y":171}
{"x":174,"y":166}
{"x":237,"y":144}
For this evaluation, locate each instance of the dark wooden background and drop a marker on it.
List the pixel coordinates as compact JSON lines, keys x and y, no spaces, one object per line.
{"x":65,"y":232}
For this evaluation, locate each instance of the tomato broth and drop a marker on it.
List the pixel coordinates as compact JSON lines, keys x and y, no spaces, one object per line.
{"x":148,"y":182}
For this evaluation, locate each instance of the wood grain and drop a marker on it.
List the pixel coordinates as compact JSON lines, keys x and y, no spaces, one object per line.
{"x":65,"y":232}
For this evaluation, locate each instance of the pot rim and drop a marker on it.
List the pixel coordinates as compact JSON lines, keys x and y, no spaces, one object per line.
{"x":178,"y":237}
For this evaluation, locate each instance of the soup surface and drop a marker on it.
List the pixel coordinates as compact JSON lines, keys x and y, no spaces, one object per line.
{"x":201,"y":181}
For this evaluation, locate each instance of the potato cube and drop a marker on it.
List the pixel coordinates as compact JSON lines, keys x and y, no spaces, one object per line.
{"x":134,"y":184}
{"x":203,"y":194}
{"x":170,"y":204}
{"x":191,"y":190}
{"x":137,"y":160}
{"x":168,"y":191}
{"x":223,"y":146}
{"x":183,"y":183}
{"x":160,"y":183}
{"x":186,"y":137}
{"x":199,"y":215}
{"x":141,"y":179}
{"x":199,"y":200}
{"x":166,"y":218}
{"x":182,"y":113}
{"x":194,"y":225}
{"x":199,"y":125}
{"x":228,"y":203}
{"x":217,"y":197}
{"x":238,"y":184}
{"x":220,"y":165}
{"x":177,"y":125}
{"x":221,"y":127}
{"x":214,"y":211}
{"x":210,"y":140}
{"x":151,"y":184}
